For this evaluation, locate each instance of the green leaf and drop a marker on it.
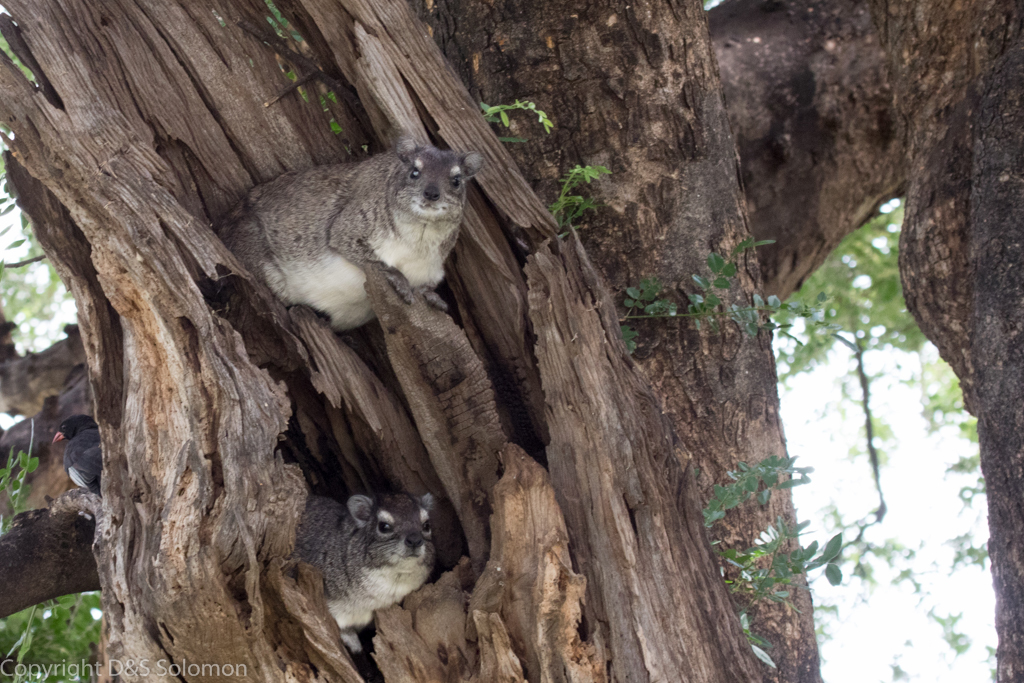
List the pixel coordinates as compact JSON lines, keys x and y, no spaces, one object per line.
{"x":834,"y":574}
{"x":758,"y":301}
{"x":774,"y":302}
{"x":512,"y":140}
{"x":750,"y":329}
{"x":832,"y":548}
{"x":15,"y":244}
{"x":822,"y":297}
{"x":764,"y":496}
{"x":633,"y":292}
{"x":649,"y":288}
{"x":722,"y":283}
{"x":628,"y":336}
{"x":729,"y":270}
{"x":716,"y":263}
{"x":702,"y":282}
{"x":742,"y":246}
{"x":763,"y":656}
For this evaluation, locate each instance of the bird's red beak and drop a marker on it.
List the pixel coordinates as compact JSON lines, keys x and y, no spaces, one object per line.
{"x":59,"y":436}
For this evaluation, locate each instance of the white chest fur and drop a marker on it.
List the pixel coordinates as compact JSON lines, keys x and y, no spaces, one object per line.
{"x":331,"y":284}
{"x":377,"y":588}
{"x":415,"y":250}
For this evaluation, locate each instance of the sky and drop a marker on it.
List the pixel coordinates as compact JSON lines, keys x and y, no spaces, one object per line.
{"x":875,"y":628}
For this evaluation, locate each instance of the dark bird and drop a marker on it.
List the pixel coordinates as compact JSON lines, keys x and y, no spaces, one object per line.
{"x":83,"y":457}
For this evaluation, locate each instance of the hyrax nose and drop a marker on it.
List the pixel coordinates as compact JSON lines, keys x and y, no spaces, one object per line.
{"x":432,"y":193}
{"x":414,"y":540}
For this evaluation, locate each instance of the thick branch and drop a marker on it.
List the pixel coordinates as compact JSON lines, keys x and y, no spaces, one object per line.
{"x":809,"y":101}
{"x":48,"y":553}
{"x":25,"y":382}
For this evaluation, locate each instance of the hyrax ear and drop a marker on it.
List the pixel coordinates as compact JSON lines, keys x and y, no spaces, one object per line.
{"x":406,"y":148}
{"x":361,"y":509}
{"x":471,"y":164}
{"x":427,"y":502}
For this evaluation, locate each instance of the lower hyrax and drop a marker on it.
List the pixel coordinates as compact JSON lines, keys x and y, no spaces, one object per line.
{"x":308,"y":235}
{"x":372,"y":553}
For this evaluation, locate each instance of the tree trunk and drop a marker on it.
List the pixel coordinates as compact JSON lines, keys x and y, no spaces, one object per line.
{"x":635,"y":88}
{"x":215,"y":402}
{"x":958,"y":70}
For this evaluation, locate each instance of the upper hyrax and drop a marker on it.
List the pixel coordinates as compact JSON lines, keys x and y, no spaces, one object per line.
{"x":308,"y":235}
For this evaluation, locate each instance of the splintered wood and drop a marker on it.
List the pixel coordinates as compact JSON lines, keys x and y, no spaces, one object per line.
{"x":206,"y":386}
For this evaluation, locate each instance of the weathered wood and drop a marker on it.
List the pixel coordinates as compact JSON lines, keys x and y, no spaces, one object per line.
{"x":198,"y":373}
{"x":529,"y":583}
{"x":521,"y":622}
{"x":636,"y":89}
{"x":452,"y":401}
{"x":381,"y":428}
{"x":629,"y":498}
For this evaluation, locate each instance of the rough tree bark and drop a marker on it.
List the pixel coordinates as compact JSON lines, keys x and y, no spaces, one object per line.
{"x":48,"y":553}
{"x":811,"y":108}
{"x":806,"y":88}
{"x":958,"y":79}
{"x":215,"y":402}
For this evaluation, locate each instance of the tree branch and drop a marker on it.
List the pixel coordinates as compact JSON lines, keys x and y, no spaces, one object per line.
{"x":809,"y":102}
{"x":19,"y":264}
{"x":27,"y":381}
{"x":48,"y":553}
{"x":865,"y":389}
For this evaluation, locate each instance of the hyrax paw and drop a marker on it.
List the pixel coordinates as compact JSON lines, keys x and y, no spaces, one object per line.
{"x":400,"y":284}
{"x":351,"y":640}
{"x":435,"y":300}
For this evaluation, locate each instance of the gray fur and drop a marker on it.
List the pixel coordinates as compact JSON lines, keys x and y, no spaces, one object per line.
{"x":365,"y":568}
{"x":308,"y":235}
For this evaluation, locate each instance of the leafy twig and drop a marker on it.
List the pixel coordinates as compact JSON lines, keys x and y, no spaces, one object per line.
{"x":568,"y":207}
{"x":499,"y":114}
{"x":707,"y":306}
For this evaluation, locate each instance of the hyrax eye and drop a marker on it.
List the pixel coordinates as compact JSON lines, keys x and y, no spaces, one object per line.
{"x":384,"y":528}
{"x":426,"y":527}
{"x":414,"y":174}
{"x":456,"y":181}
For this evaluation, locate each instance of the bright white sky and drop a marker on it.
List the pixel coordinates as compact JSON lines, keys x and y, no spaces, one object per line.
{"x":889,"y":625}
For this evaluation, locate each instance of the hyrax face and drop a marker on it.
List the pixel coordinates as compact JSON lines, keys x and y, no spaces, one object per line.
{"x":432,"y":183}
{"x":397,"y":528}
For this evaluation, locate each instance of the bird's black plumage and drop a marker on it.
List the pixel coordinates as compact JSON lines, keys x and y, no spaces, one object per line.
{"x":83,"y":457}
